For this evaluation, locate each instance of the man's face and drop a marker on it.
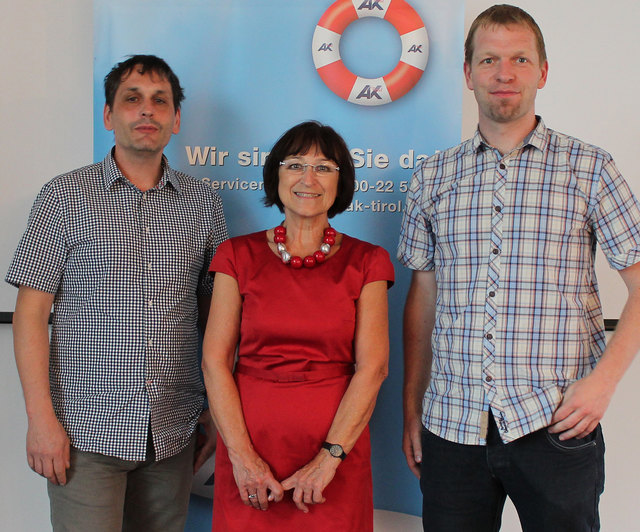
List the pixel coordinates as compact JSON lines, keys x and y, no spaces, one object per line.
{"x":142,"y":117}
{"x":505,"y":73}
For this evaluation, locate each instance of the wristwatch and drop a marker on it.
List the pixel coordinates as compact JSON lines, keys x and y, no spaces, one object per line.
{"x":335,"y":450}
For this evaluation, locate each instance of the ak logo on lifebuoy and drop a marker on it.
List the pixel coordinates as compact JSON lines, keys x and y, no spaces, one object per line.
{"x":374,"y":91}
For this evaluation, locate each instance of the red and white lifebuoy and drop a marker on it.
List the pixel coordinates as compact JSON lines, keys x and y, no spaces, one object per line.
{"x":374,"y":91}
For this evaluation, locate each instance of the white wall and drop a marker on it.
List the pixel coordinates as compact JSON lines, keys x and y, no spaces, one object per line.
{"x":45,"y":129}
{"x":46,"y":118}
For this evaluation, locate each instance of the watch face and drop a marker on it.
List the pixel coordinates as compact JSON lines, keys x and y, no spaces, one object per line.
{"x":336,"y":450}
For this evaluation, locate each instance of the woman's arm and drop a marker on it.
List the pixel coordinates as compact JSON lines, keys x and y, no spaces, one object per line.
{"x":372,"y":357}
{"x":251,"y":473}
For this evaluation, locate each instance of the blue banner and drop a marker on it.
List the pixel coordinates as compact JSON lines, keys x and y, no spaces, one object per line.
{"x":386,"y":74}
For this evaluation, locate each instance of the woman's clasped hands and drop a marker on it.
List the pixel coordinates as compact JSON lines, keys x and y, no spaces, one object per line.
{"x":258,"y":487}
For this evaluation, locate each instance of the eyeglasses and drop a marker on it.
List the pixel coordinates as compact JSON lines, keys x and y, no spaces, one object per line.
{"x":298,"y":168}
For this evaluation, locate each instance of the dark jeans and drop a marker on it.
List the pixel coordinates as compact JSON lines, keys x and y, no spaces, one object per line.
{"x":554,"y":485}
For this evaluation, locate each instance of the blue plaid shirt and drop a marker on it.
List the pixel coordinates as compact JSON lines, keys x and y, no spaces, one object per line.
{"x":126,"y":268}
{"x":512,"y":241}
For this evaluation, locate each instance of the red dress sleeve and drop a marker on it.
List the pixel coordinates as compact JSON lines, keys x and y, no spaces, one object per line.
{"x":224,"y":261}
{"x":379,"y":267}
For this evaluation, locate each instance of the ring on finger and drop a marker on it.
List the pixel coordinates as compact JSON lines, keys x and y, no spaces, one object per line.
{"x":253,"y":496}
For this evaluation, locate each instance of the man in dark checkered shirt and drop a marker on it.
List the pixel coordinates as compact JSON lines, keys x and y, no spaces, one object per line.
{"x":120,"y":249}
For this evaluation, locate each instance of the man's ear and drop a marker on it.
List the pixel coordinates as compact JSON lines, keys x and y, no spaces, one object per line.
{"x":467,"y":75}
{"x":176,"y":125}
{"x":544,"y":72}
{"x":106,"y":116}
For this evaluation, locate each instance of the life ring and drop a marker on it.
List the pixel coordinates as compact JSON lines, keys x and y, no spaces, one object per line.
{"x":370,"y":91}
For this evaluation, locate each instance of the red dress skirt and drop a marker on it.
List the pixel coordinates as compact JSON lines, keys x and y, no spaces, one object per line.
{"x":295,"y":361}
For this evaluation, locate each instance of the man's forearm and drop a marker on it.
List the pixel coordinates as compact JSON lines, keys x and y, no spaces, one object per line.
{"x":31,"y":348}
{"x":625,"y":342}
{"x":419,"y":319}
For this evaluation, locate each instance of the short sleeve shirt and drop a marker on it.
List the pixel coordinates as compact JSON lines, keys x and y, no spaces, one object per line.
{"x":512,"y":241}
{"x":126,"y":268}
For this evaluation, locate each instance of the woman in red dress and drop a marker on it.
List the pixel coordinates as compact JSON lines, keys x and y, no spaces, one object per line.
{"x":311,"y":336}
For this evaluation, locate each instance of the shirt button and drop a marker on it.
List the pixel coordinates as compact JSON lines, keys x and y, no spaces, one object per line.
{"x":492,"y":294}
{"x":147,"y":229}
{"x":497,"y":208}
{"x":489,"y":336}
{"x":502,"y":166}
{"x":149,"y":342}
{"x":150,"y":303}
{"x":488,"y":378}
{"x":495,"y":251}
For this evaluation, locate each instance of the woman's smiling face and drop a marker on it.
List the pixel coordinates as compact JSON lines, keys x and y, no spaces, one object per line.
{"x":310,"y":193}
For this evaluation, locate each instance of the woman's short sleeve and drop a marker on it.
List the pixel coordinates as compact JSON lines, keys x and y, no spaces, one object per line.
{"x":379,"y":267}
{"x":224,"y":260}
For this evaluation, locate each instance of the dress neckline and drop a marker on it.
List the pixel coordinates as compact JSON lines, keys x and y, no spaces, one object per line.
{"x":265,"y":240}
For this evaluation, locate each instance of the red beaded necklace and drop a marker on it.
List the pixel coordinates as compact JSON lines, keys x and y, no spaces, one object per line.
{"x":328,"y":240}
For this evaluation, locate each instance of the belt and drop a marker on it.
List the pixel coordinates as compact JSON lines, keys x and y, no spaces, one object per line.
{"x":334,"y":370}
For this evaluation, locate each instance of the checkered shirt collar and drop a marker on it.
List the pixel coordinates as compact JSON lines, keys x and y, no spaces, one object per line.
{"x":537,"y":138}
{"x":112,"y":173}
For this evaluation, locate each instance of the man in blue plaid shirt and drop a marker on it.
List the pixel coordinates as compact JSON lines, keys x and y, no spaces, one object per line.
{"x":121,"y":249}
{"x":506,"y":370}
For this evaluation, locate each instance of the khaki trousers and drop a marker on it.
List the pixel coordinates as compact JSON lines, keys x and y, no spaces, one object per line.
{"x":106,"y":494}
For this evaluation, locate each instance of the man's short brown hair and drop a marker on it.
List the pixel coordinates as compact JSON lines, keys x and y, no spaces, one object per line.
{"x":504,"y":15}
